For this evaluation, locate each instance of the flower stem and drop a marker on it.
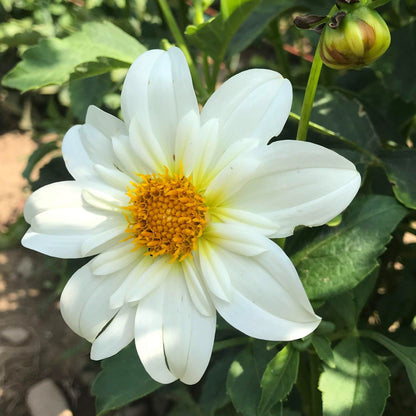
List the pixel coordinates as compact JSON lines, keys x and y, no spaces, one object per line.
{"x":177,"y":34}
{"x":316,"y":400}
{"x":309,"y":96}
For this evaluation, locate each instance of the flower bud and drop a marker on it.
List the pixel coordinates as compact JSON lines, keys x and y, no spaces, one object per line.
{"x":360,"y":38}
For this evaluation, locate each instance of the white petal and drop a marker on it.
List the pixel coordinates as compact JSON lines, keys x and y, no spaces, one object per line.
{"x":118,"y":334}
{"x":134,"y":92}
{"x":76,"y":158}
{"x":96,"y":311}
{"x":253,"y":103}
{"x":258,"y":223}
{"x":146,"y":147}
{"x":230,"y":180}
{"x":83,"y":146}
{"x":299,"y":183}
{"x":187,"y":335}
{"x":149,"y":279}
{"x":71,"y":232}
{"x":55,"y":195}
{"x":110,"y":261}
{"x":62,"y":246}
{"x":170,"y":97}
{"x":236,"y":238}
{"x":85,"y":302}
{"x":109,"y":125}
{"x":97,"y":145}
{"x":269,"y":302}
{"x":187,"y":135}
{"x":205,"y":149}
{"x":119,"y":297}
{"x":125,"y":156}
{"x":212,"y":267}
{"x":113,"y":176}
{"x":197,"y":291}
{"x":148,"y":333}
{"x":158,"y":91}
{"x":103,"y":240}
{"x":104,"y":202}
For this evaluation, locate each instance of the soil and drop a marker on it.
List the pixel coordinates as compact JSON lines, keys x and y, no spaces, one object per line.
{"x":28,"y":300}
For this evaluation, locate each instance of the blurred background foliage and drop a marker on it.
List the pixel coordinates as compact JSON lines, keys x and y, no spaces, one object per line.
{"x":57,"y":57}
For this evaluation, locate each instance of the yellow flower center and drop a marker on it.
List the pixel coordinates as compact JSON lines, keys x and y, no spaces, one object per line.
{"x":165,"y":214}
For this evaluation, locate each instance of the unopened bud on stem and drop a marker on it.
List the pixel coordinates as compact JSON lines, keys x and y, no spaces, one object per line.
{"x":359,"y":38}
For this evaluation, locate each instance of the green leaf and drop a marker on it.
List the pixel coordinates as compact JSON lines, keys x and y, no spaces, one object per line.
{"x":348,"y":305}
{"x":37,"y":156}
{"x":122,"y":380}
{"x":213,"y":394}
{"x":214,"y":36}
{"x":341,"y":117}
{"x":407,"y":355}
{"x":264,"y":13}
{"x":278,"y":378}
{"x":396,"y":66}
{"x":11,"y":238}
{"x":54,"y":171}
{"x":323,"y":348}
{"x":244,"y":377}
{"x":400,"y":168}
{"x":54,"y":60}
{"x":185,"y":403}
{"x":332,"y":260}
{"x":359,"y":385}
{"x":88,"y":91}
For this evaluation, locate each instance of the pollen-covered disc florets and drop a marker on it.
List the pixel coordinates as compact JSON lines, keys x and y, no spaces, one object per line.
{"x":165,"y":214}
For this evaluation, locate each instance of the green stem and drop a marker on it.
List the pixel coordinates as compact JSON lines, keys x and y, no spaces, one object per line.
{"x":309,"y":96}
{"x":177,"y":34}
{"x":281,"y":55}
{"x":228,"y":343}
{"x":199,"y":12}
{"x":214,"y":76}
{"x":316,"y":400}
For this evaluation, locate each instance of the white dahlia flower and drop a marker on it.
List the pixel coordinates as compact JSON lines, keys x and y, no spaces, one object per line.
{"x":177,"y":207}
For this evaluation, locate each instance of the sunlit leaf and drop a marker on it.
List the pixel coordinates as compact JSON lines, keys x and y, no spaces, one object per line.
{"x":358,"y":385}
{"x":331,"y":260}
{"x":54,"y":60}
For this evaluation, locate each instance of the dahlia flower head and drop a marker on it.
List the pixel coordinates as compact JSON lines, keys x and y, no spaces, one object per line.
{"x":178,"y":207}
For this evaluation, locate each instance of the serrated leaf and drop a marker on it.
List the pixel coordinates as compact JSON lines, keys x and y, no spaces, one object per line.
{"x":53,"y":60}
{"x":336,"y":259}
{"x":341,"y":117}
{"x":278,"y":378}
{"x":244,"y":377}
{"x":323,"y":348}
{"x":400,"y":168}
{"x":122,"y":380}
{"x":214,"y":36}
{"x":359,"y":385}
{"x":407,"y":355}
